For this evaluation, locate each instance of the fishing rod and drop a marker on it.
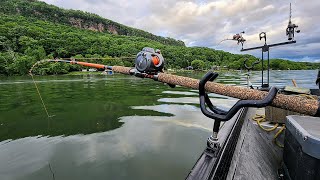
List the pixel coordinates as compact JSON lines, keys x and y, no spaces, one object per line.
{"x":237,"y":37}
{"x":150,"y":63}
{"x":104,"y":58}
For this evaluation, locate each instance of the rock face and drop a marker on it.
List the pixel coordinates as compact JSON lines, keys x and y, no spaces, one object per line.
{"x":75,"y":22}
{"x":37,"y":13}
{"x":93,"y":26}
{"x":112,"y":29}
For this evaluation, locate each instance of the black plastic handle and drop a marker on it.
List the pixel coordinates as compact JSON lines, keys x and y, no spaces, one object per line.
{"x":221,"y":115}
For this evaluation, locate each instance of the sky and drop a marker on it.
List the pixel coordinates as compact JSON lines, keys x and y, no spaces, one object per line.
{"x":206,"y":22}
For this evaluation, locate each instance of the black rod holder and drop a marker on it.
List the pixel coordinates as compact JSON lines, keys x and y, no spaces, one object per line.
{"x":266,"y":48}
{"x":221,"y":115}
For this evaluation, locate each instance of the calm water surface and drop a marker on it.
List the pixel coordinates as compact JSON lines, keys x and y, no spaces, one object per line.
{"x":109,"y":127}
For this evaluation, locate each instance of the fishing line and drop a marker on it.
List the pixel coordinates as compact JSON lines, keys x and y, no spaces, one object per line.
{"x":51,"y":172}
{"x":223,"y":40}
{"x":38,"y":91}
{"x":67,"y":60}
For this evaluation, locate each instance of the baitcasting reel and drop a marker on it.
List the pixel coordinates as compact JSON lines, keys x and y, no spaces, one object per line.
{"x":149,"y":61}
{"x":291,"y":28}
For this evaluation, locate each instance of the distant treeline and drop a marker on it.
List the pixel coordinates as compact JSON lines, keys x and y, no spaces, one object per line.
{"x":27,"y":39}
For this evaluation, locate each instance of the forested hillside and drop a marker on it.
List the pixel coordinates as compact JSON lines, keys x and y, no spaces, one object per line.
{"x":79,"y":19}
{"x":26,"y":38}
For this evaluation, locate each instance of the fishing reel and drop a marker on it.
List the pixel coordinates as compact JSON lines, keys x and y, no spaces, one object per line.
{"x":291,"y":28}
{"x":149,"y":61}
{"x":290,"y":31}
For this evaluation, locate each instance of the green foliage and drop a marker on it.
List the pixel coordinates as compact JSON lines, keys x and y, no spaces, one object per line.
{"x":197,"y":64}
{"x":42,"y":11}
{"x":26,"y":38}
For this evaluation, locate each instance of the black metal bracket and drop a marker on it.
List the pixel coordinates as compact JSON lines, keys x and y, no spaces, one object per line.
{"x":263,"y":35}
{"x":266,"y":48}
{"x":318,"y":79}
{"x":221,"y":115}
{"x":213,"y":145}
{"x":249,"y":68}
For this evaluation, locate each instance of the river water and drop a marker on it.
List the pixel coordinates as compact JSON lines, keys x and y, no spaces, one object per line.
{"x":109,"y":127}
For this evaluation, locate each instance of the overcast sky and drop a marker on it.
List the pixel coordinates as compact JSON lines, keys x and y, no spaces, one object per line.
{"x":206,"y":23}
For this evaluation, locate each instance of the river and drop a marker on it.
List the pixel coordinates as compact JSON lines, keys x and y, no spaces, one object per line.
{"x":109,"y":127}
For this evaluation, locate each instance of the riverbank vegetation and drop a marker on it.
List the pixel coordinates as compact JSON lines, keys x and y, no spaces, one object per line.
{"x":31,"y":31}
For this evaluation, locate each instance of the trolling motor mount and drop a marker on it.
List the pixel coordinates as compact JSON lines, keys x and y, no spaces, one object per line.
{"x":149,"y":61}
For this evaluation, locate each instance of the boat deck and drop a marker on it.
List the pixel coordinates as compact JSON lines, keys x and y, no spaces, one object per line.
{"x":252,"y":155}
{"x":256,"y":156}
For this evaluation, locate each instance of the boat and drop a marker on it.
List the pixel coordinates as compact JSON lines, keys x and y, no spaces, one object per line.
{"x":242,"y":146}
{"x":285,"y":146}
{"x":107,"y":72}
{"x":249,"y":152}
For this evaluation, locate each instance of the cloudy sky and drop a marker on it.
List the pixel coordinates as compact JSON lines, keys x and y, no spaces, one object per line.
{"x":206,"y":23}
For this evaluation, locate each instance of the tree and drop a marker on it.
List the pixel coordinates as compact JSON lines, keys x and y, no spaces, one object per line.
{"x":197,"y":64}
{"x":31,"y":36}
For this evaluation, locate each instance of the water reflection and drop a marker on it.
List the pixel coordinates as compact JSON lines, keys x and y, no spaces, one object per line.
{"x":91,"y":105}
{"x":109,"y":127}
{"x":143,"y":148}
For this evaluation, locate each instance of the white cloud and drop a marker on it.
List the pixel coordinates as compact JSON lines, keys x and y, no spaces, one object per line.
{"x":308,"y":59}
{"x":206,"y":23}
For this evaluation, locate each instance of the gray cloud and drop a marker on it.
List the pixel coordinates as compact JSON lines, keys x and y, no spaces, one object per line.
{"x":206,"y":23}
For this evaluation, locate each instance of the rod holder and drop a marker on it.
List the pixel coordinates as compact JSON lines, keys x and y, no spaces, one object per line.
{"x":219,"y":115}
